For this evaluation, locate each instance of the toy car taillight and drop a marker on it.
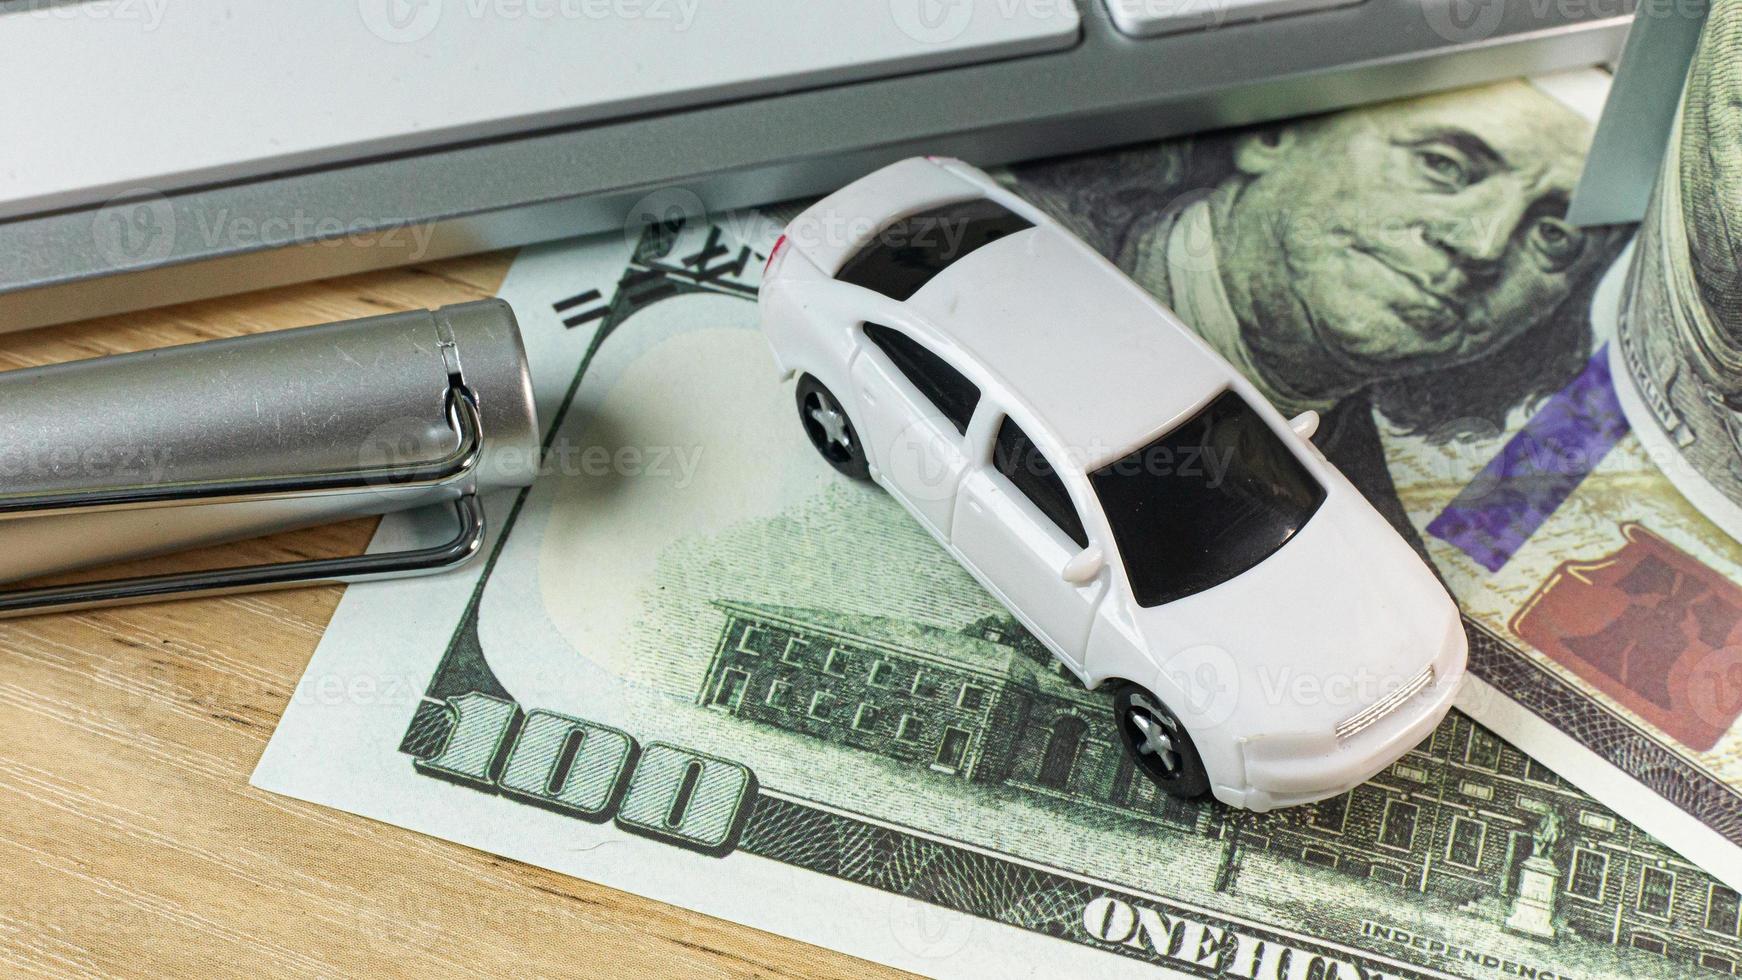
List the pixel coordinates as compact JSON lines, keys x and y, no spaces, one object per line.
{"x":774,"y":253}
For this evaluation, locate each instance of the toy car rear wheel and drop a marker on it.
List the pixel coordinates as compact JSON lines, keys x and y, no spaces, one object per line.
{"x":830,"y":431}
{"x":1159,"y":745}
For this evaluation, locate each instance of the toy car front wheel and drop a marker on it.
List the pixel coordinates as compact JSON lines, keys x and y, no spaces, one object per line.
{"x":1158,"y":743}
{"x":829,"y":429}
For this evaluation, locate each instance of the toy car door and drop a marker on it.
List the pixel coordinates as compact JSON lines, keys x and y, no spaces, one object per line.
{"x":1016,"y":525}
{"x":915,"y":410}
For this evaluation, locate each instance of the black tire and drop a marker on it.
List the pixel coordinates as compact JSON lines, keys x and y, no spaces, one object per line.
{"x":841,"y":448}
{"x":1178,"y":770}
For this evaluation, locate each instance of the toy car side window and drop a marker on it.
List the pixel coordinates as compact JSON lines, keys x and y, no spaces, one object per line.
{"x":942,"y":385}
{"x":1022,"y":463}
{"x":910,"y":252}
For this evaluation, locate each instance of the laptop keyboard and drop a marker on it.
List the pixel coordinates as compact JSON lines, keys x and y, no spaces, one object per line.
{"x":277,"y":85}
{"x":193,"y":149}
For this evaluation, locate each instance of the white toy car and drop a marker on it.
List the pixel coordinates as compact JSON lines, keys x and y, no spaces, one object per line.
{"x":1136,"y":503}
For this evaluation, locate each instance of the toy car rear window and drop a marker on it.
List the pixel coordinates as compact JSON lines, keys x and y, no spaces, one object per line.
{"x":1206,"y":502}
{"x":910,"y":252}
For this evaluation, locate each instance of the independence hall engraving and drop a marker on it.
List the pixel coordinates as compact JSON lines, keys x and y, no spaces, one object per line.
{"x":1463,"y":817}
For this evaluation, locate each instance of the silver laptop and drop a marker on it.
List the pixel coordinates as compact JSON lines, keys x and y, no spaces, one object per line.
{"x":163,"y":150}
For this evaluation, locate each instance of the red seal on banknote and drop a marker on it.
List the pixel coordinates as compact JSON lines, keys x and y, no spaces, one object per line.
{"x":1650,"y":626}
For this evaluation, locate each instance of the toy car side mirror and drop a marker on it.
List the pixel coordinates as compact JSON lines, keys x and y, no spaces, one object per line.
{"x":1084,"y":565}
{"x":1305,"y":424}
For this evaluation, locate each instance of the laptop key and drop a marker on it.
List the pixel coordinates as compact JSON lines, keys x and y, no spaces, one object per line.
{"x":1153,"y":18}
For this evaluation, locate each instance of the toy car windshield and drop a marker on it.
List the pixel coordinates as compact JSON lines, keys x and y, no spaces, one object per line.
{"x":1206,"y":502}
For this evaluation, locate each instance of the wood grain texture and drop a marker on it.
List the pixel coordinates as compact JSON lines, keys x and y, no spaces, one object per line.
{"x":130,"y":840}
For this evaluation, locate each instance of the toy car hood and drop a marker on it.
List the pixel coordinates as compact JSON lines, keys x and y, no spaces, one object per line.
{"x":1256,"y":649}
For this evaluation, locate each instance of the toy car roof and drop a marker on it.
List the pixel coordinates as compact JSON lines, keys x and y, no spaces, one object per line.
{"x":1095,"y":359}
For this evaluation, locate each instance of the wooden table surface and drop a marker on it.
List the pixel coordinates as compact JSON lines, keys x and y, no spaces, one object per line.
{"x":130,"y":841}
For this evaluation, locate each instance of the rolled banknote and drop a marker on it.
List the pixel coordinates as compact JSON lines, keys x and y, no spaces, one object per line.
{"x":1678,"y":360}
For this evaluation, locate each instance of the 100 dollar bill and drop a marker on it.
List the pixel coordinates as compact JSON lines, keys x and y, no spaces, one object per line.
{"x":700,"y":666}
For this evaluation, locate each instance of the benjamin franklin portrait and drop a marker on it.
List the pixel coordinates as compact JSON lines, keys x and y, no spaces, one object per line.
{"x":1409,"y":259}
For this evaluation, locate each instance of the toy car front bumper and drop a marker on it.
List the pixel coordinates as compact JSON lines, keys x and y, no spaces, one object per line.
{"x":1291,"y":770}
